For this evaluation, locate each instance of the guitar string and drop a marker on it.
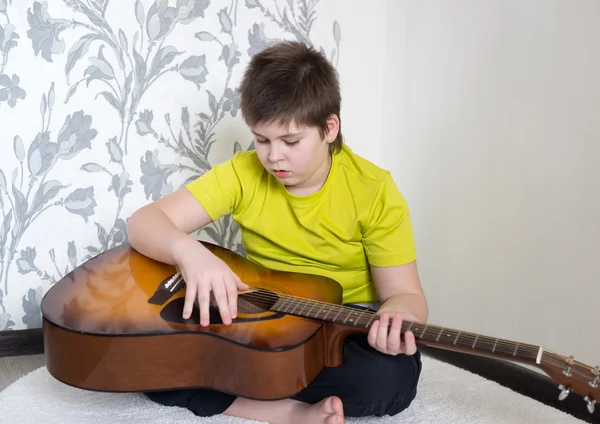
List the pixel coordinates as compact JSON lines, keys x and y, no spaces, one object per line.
{"x":548,"y":358}
{"x":521,"y":347}
{"x":273,"y":297}
{"x":466,"y":336}
{"x":463,"y":336}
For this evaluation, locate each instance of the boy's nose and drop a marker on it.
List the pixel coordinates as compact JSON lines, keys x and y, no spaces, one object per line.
{"x":274,"y":154}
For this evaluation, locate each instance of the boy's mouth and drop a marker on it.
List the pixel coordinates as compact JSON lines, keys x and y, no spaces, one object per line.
{"x":281,"y":173}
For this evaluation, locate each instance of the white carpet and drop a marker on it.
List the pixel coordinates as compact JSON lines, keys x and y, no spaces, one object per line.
{"x":446,"y":395}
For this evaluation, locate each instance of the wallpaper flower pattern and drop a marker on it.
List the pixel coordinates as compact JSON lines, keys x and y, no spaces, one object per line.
{"x":106,"y":105}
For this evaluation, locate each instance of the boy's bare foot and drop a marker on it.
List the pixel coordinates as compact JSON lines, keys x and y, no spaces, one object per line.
{"x":328,"y":411}
{"x":288,"y":411}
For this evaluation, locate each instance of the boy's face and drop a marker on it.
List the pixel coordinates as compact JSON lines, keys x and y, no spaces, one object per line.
{"x":297,"y":156}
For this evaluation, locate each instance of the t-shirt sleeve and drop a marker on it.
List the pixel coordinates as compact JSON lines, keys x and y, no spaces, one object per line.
{"x":218,"y":190}
{"x":388,"y":238}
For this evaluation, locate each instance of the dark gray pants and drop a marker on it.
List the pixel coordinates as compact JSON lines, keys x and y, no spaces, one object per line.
{"x":368,"y":383}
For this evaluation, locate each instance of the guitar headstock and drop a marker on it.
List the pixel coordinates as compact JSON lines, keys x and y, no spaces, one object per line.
{"x":573,"y":376}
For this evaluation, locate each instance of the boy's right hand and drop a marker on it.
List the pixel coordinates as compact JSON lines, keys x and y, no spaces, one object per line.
{"x":204,"y":272}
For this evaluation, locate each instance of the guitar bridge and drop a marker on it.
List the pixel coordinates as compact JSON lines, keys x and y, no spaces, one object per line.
{"x":166,"y":289}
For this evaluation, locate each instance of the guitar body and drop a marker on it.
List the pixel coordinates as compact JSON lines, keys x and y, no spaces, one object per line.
{"x":111,"y":325}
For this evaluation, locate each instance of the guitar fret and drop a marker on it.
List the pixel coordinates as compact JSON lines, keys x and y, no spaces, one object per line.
{"x":359,"y":317}
{"x":466,"y":339}
{"x":446,"y":335}
{"x":485,"y":342}
{"x":475,"y":342}
{"x":505,"y":348}
{"x":349,"y":317}
{"x":438,"y":337}
{"x":335,"y":317}
{"x":307,"y":313}
{"x":416,"y":329}
{"x":286,"y":306}
{"x":372,"y":318}
{"x":290,"y":303}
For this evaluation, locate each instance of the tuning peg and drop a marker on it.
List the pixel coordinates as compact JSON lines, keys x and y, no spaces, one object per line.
{"x":570,"y":361}
{"x":564,"y":392}
{"x":591,"y":404}
{"x":594,"y":383}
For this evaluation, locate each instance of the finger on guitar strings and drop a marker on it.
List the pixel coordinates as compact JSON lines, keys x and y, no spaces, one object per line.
{"x":382,"y":333}
{"x":232,"y":295}
{"x":394,"y":343}
{"x":220,"y":295}
{"x":190,"y":299}
{"x":204,"y":304}
{"x":410,"y":344}
{"x":372,"y":334}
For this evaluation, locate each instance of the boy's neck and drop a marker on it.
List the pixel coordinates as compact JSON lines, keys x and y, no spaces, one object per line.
{"x":315,"y":182}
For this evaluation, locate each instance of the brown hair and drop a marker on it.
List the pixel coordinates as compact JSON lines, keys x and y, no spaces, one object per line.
{"x":291,"y":81}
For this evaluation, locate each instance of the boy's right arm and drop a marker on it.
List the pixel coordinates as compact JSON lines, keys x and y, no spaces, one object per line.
{"x":161,"y":230}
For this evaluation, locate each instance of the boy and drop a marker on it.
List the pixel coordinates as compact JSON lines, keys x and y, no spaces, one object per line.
{"x":305,"y":203}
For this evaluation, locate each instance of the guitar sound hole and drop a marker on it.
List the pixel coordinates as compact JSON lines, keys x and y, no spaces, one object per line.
{"x":172,"y":312}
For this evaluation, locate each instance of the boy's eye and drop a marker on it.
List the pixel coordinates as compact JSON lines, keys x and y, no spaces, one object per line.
{"x":289,"y":143}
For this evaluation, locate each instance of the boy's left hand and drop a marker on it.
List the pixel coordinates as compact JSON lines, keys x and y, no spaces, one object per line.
{"x":389,"y":342}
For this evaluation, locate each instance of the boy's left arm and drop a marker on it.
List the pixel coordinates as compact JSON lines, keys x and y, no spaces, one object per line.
{"x":388,"y":240}
{"x":399,"y":290}
{"x":402,"y":297}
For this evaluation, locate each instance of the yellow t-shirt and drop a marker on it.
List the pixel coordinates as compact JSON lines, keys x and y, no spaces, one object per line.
{"x":357,"y":218}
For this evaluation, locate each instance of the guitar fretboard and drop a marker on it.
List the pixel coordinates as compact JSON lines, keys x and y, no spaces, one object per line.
{"x":431,"y":334}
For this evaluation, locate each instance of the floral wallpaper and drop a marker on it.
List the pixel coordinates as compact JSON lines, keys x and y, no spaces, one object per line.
{"x":106,"y":105}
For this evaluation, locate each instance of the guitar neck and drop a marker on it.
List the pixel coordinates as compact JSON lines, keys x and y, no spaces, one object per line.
{"x":433,"y":335}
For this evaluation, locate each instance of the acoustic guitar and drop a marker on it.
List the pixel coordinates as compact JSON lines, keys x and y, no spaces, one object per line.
{"x":115,"y":324}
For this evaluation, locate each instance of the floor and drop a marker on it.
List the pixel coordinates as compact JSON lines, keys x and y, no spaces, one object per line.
{"x":14,"y":367}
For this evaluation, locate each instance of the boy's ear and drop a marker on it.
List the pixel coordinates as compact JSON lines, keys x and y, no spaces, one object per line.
{"x":333,"y":128}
